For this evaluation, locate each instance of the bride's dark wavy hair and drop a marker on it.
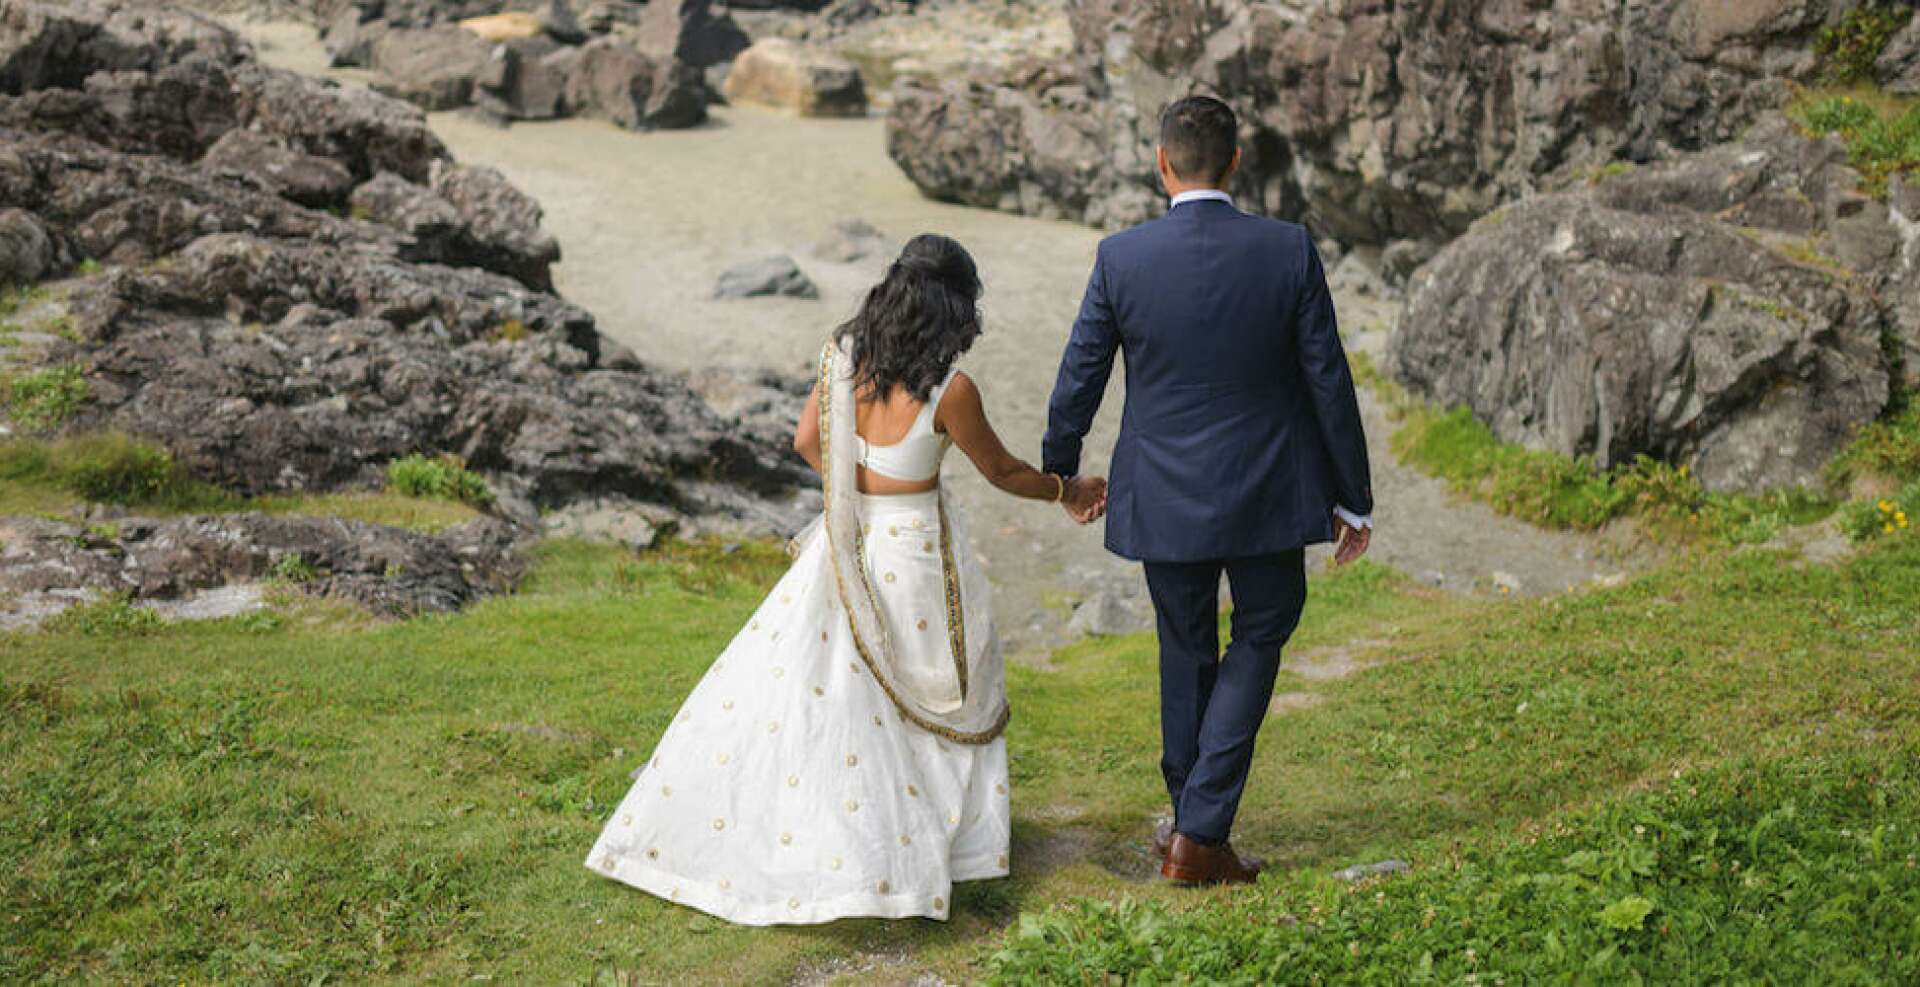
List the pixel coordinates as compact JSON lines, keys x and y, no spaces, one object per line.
{"x":917,"y":320}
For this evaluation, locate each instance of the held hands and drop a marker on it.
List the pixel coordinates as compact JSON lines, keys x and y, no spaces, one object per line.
{"x":1086,"y":498}
{"x":1349,"y":542}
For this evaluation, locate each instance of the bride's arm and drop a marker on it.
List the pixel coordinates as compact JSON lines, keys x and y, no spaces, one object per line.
{"x":806,"y":438}
{"x":963,"y":416}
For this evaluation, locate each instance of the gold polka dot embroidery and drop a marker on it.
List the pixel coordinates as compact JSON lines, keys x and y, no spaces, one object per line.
{"x":855,"y":666}
{"x":939,"y":904}
{"x":754,"y":626}
{"x":779,"y":672}
{"x":913,"y":792}
{"x":853,"y":806}
{"x":1002,"y":861}
{"x":653,"y":853}
{"x":885,"y":888}
{"x":834,"y":863}
{"x":953,"y":820}
{"x":852,"y":760}
{"x":888,"y":577}
{"x":666,"y":790}
{"x":823,"y":635}
{"x":786,"y":599}
{"x":727,"y":705}
{"x":906,"y":840}
{"x":724,"y":758}
{"x":606,"y":863}
{"x":786,"y":839}
{"x":719,"y":824}
{"x":626,"y":820}
{"x":927,"y":547}
{"x":793,"y":903}
{"x":920,"y":624}
{"x":877,"y":721}
{"x":1001,"y":788}
{"x":775,"y":637}
{"x":773,"y":726}
{"x":819,"y":691}
{"x":725,"y":884}
{"x":793,"y":781}
{"x":893,"y":530}
{"x":673,"y":895}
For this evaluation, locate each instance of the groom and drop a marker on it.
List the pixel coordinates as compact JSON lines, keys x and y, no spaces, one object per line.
{"x":1240,"y":444}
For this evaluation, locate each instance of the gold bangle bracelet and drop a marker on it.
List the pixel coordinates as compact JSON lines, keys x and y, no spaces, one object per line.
{"x":1062,"y":481}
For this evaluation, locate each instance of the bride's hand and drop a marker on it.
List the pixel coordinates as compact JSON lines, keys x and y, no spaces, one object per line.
{"x":1086,"y":498}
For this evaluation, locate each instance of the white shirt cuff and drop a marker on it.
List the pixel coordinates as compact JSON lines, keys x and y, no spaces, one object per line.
{"x":1353,"y":520}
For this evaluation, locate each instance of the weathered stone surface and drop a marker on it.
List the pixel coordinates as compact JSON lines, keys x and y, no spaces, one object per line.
{"x":689,"y":31}
{"x":1898,"y":67}
{"x":522,"y":82}
{"x":508,"y":25}
{"x":610,"y":78}
{"x":787,"y":75}
{"x":25,"y":251}
{"x":1375,"y":121}
{"x":433,"y":68}
{"x":767,"y":276}
{"x":851,"y":240}
{"x":301,"y":177}
{"x":57,"y":45}
{"x":388,"y":570}
{"x":1679,"y":311}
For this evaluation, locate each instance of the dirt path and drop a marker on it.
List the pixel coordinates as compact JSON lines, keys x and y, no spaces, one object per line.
{"x":648,"y":221}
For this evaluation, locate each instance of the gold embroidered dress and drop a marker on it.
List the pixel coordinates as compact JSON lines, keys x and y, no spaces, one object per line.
{"x":843,"y":756}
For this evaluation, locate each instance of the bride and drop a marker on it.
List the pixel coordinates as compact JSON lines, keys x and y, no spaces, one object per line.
{"x":843,"y":756}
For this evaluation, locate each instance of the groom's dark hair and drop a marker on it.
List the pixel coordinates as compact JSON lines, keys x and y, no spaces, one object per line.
{"x":1199,"y":134}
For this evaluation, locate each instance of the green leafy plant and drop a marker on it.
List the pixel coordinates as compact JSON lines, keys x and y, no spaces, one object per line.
{"x":41,"y":399}
{"x":89,"y":267}
{"x":1882,"y":137}
{"x":1889,"y":448}
{"x":1865,"y":520}
{"x":445,"y":477}
{"x":1849,"y":48}
{"x":293,"y":567}
{"x":109,"y":467}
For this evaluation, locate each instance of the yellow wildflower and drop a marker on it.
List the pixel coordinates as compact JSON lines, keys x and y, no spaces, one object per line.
{"x":1900,"y":518}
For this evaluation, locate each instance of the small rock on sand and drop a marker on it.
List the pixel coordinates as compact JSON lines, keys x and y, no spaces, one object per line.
{"x":777,"y":275}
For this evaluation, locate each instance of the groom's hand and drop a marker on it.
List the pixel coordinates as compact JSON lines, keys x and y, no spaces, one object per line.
{"x":1349,"y":542}
{"x":1086,"y":498}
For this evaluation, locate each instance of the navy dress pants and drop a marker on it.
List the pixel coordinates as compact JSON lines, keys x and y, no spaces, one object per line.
{"x":1211,"y":705}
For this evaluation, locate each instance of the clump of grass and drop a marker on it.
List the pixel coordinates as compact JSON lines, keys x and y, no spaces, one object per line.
{"x":111,"y":616}
{"x":1882,"y":137}
{"x":41,"y":399}
{"x":109,"y":467}
{"x":293,"y":567}
{"x":14,"y":297}
{"x":445,"y":477}
{"x":1849,"y":48}
{"x":1889,"y":448}
{"x":1865,"y":520}
{"x":88,"y":267}
{"x":511,"y":331}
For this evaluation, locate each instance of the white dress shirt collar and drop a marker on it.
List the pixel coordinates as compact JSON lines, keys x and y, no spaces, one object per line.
{"x":1201,"y":194}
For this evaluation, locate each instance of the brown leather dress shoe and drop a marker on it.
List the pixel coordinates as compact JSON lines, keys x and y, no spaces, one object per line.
{"x":1191,"y":862}
{"x":1162,"y":838}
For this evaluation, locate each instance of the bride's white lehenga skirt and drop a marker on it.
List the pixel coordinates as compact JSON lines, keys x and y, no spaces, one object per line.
{"x":788,"y":788}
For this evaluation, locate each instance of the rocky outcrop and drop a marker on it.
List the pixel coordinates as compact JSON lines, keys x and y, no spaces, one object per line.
{"x":388,"y":570}
{"x":532,"y":64}
{"x":777,"y":275}
{"x":786,"y":75}
{"x":1374,"y":121}
{"x":1704,"y":311}
{"x":302,"y":286}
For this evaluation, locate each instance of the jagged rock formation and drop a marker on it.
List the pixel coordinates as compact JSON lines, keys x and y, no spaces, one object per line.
{"x":301,"y":285}
{"x":1717,"y":310}
{"x":388,"y":570}
{"x":1373,"y":120}
{"x":443,"y":55}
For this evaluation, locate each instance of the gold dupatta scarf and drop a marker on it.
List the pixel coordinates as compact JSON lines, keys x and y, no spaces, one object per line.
{"x":970,"y":706}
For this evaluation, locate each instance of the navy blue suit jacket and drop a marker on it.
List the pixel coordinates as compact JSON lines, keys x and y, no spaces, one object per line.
{"x":1241,"y":430}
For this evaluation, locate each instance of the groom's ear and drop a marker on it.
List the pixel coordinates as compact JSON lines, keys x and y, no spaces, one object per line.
{"x":1226,"y":177}
{"x":1163,"y":168}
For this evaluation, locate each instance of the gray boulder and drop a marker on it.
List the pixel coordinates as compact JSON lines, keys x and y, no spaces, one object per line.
{"x":25,"y":251}
{"x":777,"y":275}
{"x":612,"y":79}
{"x":1898,"y":67}
{"x":1676,"y":311}
{"x":433,"y":68}
{"x":852,"y":240}
{"x":689,"y":31}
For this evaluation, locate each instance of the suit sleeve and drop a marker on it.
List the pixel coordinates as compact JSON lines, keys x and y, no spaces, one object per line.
{"x":1082,"y":381}
{"x":1337,"y":408}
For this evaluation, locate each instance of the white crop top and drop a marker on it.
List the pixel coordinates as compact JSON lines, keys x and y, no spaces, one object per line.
{"x":916,"y":457}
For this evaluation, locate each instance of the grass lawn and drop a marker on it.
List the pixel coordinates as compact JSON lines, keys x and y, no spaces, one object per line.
{"x":324,"y":798}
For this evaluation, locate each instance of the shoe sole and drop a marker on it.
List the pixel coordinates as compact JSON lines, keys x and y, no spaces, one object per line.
{"x":1188,"y":876}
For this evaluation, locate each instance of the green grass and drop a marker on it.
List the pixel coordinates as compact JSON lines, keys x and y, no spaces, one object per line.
{"x":63,"y":475}
{"x":1887,"y":450}
{"x":1881,"y":132}
{"x":444,"y":477}
{"x":41,"y":399}
{"x":1849,"y":48}
{"x":284,"y":799}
